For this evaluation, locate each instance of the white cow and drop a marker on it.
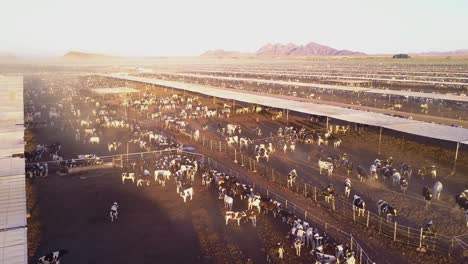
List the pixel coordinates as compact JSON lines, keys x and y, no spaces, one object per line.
{"x":438,"y":187}
{"x":161,"y":176}
{"x":228,"y":201}
{"x":325,"y":165}
{"x":128,"y":176}
{"x":94,"y":140}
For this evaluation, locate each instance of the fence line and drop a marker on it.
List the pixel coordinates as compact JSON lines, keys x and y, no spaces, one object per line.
{"x":405,"y":235}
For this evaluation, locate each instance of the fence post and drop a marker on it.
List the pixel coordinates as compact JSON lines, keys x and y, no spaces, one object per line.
{"x":354,"y":215}
{"x":219,"y":146}
{"x":360,"y":257}
{"x":305,"y":215}
{"x":333,"y":205}
{"x":380,"y":224}
{"x":351,"y":243}
{"x":315,"y":193}
{"x":211,"y":145}
{"x":407,"y":242}
{"x":203,"y":141}
{"x":268,"y":194}
{"x":286,"y":203}
{"x":250,"y":164}
{"x":305,"y":189}
{"x":121,"y":160}
{"x":242,"y":158}
{"x":235,"y":155}
{"x":367,"y":223}
{"x":394,"y":232}
{"x":420,"y":238}
{"x":255,"y":169}
{"x":273,"y":175}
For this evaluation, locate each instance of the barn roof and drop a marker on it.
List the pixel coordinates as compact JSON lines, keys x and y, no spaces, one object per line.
{"x":419,"y":128}
{"x":13,"y":245}
{"x":114,"y":90}
{"x":435,"y":96}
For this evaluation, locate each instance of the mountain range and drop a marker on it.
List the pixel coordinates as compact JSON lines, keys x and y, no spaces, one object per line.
{"x":290,"y":49}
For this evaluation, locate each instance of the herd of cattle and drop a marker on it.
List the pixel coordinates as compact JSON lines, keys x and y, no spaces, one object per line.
{"x":90,"y":120}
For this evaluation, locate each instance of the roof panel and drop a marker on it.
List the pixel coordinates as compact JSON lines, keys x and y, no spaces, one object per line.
{"x":13,"y":246}
{"x":414,"y":127}
{"x":12,"y":202}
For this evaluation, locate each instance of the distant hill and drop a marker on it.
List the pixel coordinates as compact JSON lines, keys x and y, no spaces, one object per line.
{"x":310,"y":49}
{"x":224,"y":53}
{"x":86,"y":56}
{"x":290,"y":49}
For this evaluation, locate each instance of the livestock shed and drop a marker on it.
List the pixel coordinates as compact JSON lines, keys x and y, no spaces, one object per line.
{"x":114,"y":91}
{"x":457,"y":135}
{"x":13,"y":231}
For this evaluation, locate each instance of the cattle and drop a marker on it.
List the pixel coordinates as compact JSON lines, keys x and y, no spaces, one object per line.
{"x":237,"y":216}
{"x":228,"y":201}
{"x":386,"y":209}
{"x":161,"y":176}
{"x":427,"y":195}
{"x":53,"y":257}
{"x":462,"y":200}
{"x":347,"y":187}
{"x":325,"y":165}
{"x":114,"y":212}
{"x":404,"y":184}
{"x":252,"y":215}
{"x":128,"y":176}
{"x":187,"y":191}
{"x":373,"y":170}
{"x":337,"y":143}
{"x":349,"y":168}
{"x":437,"y":189}
{"x":396,"y":177}
{"x":292,"y":176}
{"x":359,"y":205}
{"x":329,"y":193}
{"x":254,"y":201}
{"x":94,"y":140}
{"x":362,"y":175}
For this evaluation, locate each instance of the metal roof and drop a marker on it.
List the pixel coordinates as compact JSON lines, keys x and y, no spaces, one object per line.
{"x":14,"y":246}
{"x":115,"y":90}
{"x":13,"y":232}
{"x":420,"y":128}
{"x":436,"y":96}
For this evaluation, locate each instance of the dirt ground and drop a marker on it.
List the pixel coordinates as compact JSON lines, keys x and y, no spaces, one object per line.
{"x":206,"y":235}
{"x":154,"y":224}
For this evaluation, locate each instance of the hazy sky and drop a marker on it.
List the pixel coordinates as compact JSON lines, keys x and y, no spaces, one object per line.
{"x":175,"y":27}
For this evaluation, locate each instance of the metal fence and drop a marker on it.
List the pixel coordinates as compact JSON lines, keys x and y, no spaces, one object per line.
{"x":390,"y":231}
{"x":338,"y":234}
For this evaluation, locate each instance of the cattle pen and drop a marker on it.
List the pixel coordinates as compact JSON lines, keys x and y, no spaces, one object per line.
{"x":119,"y":161}
{"x":456,"y":135}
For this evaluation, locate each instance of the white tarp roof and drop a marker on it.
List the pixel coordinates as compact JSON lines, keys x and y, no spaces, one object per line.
{"x":12,"y":202}
{"x":414,"y":127}
{"x":14,"y":246}
{"x":448,"y":97}
{"x":115,"y":90}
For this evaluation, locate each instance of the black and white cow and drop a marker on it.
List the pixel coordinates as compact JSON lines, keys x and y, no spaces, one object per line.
{"x":114,"y":212}
{"x":347,"y":187}
{"x":52,"y":257}
{"x":386,"y":209}
{"x":359,"y":205}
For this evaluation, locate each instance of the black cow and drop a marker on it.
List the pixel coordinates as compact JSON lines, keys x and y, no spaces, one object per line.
{"x":426,"y":193}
